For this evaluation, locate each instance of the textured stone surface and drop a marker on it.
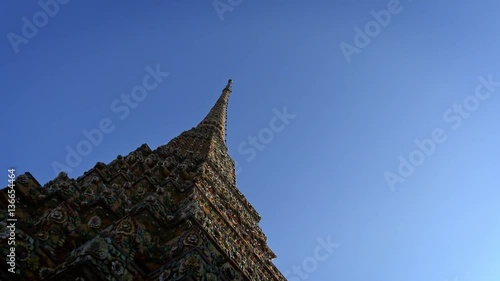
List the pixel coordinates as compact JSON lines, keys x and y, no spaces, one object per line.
{"x":173,"y":213}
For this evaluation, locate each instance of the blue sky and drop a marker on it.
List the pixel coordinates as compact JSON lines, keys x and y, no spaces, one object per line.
{"x":323,"y":175}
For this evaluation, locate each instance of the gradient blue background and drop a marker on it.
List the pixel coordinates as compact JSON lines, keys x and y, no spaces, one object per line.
{"x":324,"y":174}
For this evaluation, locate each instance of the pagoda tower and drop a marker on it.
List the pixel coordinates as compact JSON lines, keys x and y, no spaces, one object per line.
{"x":173,"y":213}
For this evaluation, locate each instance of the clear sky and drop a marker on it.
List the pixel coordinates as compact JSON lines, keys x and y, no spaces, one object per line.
{"x":365,"y":96}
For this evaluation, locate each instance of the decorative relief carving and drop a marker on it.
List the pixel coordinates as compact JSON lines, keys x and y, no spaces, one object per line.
{"x":174,"y":213}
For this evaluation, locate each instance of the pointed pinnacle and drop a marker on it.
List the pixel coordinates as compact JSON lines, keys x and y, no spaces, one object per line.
{"x":229,"y":84}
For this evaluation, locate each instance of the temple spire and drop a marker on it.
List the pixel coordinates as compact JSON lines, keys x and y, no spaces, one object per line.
{"x":216,"y":118}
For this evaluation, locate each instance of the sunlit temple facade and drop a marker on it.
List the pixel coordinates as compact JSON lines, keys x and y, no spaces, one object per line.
{"x":172,"y":213}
